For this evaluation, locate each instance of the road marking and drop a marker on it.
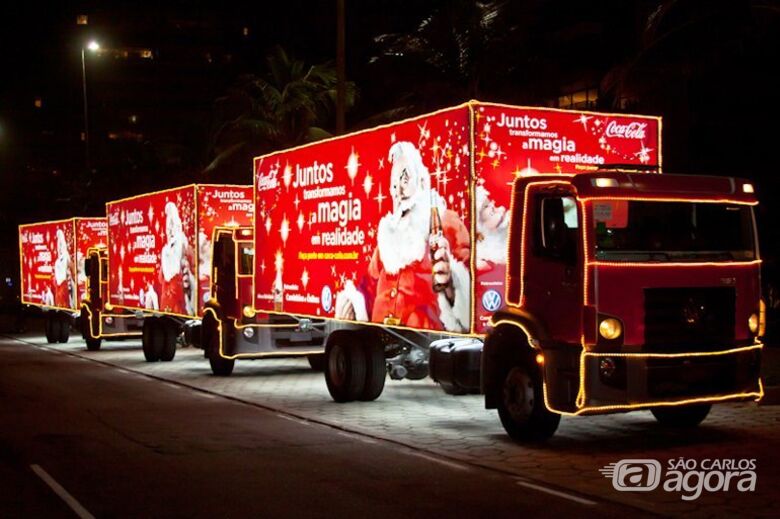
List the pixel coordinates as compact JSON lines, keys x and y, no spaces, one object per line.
{"x":290,"y":418}
{"x":557,"y":493}
{"x":356,"y":437}
{"x":451,"y":464}
{"x":64,"y":495}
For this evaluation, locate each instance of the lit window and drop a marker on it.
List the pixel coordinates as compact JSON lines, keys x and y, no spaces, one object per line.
{"x":38,"y":102}
{"x":245,"y":31}
{"x":133,"y":119}
{"x":146,"y":53}
{"x":82,"y":19}
{"x":582,"y":99}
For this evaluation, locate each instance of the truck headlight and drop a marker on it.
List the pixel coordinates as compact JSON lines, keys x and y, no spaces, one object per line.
{"x":109,"y":320}
{"x":249,"y":332}
{"x":248,"y":311}
{"x":610,"y":328}
{"x":753,"y":323}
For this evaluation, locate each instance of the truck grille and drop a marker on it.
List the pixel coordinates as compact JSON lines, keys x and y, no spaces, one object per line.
{"x":689,"y":319}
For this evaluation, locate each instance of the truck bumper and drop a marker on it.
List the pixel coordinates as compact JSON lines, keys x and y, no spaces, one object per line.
{"x":614,"y":382}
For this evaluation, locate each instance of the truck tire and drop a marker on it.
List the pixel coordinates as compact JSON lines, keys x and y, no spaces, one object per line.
{"x":150,"y":339}
{"x":316,"y":362}
{"x":453,"y":390}
{"x":220,"y":366}
{"x":169,"y":332}
{"x":681,"y":416}
{"x":93,"y":344}
{"x":345,"y":370}
{"x":376,"y":371}
{"x":49,"y":328}
{"x":521,"y":409}
{"x":63,"y":328}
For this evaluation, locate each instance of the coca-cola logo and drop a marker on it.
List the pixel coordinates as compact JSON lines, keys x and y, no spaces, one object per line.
{"x":635,"y":130}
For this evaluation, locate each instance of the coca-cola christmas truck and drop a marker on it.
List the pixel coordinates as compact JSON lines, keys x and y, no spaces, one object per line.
{"x":51,"y":256}
{"x":504,"y":245}
{"x":159,"y":256}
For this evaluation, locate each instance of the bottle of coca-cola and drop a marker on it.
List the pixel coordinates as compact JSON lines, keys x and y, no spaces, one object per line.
{"x":436,"y":232}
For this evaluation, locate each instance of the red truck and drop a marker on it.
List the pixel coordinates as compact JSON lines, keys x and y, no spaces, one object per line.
{"x":156,"y":270}
{"x":51,"y":259}
{"x":500,"y":249}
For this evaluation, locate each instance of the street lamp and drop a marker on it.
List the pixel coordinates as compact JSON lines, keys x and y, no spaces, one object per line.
{"x":92,"y":46}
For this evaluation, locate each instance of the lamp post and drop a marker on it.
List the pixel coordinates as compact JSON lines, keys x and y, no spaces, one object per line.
{"x":92,"y":46}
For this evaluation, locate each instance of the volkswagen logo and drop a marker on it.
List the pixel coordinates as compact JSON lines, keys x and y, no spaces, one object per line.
{"x":491,"y":300}
{"x":326,"y":298}
{"x":693,"y":312}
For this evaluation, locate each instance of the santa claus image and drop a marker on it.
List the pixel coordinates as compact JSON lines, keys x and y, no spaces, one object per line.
{"x":492,"y":229}
{"x":47,"y":298}
{"x":171,"y":256}
{"x":63,"y":293}
{"x":420,"y":262}
{"x":148,"y":298}
{"x":188,"y":285}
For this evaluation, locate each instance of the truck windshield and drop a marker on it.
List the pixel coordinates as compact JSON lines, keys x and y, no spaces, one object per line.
{"x":246,"y":258}
{"x":673,"y":231}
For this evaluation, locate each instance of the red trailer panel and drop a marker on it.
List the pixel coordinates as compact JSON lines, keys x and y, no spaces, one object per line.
{"x":49,"y":255}
{"x":405,"y":225}
{"x":155,"y":242}
{"x":90,"y":232}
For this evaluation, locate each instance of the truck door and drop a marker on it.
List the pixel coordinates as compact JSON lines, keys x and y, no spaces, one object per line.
{"x":553,"y":275}
{"x":224,"y":273}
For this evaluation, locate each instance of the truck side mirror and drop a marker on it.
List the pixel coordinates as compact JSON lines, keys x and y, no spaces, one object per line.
{"x":87,"y":268}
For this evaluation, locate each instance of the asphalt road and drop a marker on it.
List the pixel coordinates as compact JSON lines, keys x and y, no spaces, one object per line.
{"x":81,"y":438}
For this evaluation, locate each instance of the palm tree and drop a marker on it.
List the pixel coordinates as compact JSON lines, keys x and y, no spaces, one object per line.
{"x":290,"y":104}
{"x":463,"y":49}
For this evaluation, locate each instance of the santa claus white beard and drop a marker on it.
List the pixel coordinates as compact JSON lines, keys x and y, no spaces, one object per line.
{"x":171,"y":259}
{"x":492,"y":246}
{"x":61,"y":268}
{"x":402,"y":238}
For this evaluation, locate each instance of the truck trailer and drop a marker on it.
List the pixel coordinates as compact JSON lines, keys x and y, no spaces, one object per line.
{"x":51,"y":259}
{"x":158,"y":264}
{"x":534,"y":255}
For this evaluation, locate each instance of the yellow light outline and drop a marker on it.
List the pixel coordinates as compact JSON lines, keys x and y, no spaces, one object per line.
{"x":473,"y":225}
{"x":101,"y":316}
{"x":194,"y":187}
{"x":74,"y":268}
{"x":256,"y":355}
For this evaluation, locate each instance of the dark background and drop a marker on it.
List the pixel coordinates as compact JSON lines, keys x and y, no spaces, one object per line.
{"x":168,"y":92}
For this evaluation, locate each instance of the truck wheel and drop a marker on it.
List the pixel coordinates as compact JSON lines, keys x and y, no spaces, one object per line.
{"x":376,"y":371}
{"x":345,"y":371}
{"x":93,"y":344}
{"x":316,"y":362}
{"x":63,"y":327}
{"x":522,"y":410}
{"x":49,"y":328}
{"x":220,"y":366}
{"x":169,"y":332}
{"x":150,"y":341}
{"x":452,"y":389}
{"x":681,"y":416}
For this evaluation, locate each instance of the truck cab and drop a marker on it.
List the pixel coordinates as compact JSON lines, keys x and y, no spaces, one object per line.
{"x":99,"y":320}
{"x":625,"y":291}
{"x":231,"y":329}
